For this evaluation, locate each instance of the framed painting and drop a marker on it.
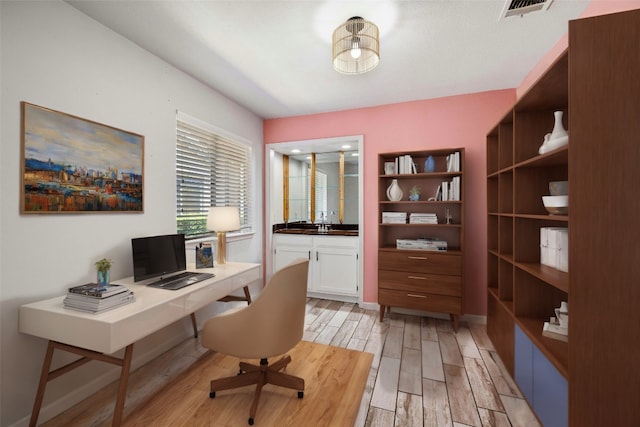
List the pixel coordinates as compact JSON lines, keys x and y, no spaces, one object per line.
{"x":74,"y":165}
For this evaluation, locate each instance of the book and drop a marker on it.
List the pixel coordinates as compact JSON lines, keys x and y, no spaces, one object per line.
{"x":394,"y":217}
{"x":556,"y":332}
{"x":97,"y":305}
{"x":96,"y":290}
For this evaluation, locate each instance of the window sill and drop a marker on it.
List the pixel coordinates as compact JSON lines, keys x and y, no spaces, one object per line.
{"x":231,"y":237}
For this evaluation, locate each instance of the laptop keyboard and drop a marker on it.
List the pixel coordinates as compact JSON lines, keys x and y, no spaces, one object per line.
{"x":181,"y":280}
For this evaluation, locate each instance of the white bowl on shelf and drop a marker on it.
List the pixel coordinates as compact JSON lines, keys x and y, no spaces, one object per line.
{"x":556,"y":205}
{"x":559,"y":188}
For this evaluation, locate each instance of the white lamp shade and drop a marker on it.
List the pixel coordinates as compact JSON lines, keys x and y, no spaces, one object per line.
{"x":223,"y":218}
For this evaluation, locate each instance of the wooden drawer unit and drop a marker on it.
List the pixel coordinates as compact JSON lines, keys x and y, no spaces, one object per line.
{"x":420,"y":280}
{"x":420,"y":261}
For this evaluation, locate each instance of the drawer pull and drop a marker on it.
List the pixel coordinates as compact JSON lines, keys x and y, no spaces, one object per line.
{"x":417,"y":277}
{"x":418,"y":257}
{"x":416,"y":296}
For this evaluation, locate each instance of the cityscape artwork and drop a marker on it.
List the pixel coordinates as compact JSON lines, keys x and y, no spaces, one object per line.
{"x":74,"y":165}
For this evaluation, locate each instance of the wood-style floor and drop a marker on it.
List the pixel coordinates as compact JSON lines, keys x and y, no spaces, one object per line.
{"x":423,"y":374}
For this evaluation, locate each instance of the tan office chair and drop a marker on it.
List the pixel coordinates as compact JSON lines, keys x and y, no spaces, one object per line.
{"x":272,"y":325}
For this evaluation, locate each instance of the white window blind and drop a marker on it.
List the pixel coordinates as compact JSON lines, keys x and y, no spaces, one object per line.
{"x":212,"y":169}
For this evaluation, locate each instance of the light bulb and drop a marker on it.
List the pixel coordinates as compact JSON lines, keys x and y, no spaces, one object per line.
{"x":355,"y":48}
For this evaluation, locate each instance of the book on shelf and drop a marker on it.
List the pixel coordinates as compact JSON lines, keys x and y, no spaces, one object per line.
{"x":405,"y":164}
{"x":394,"y":217}
{"x":451,"y":189}
{"x":423,"y":218}
{"x":97,"y":290}
{"x":453,"y":162}
{"x":553,"y":330}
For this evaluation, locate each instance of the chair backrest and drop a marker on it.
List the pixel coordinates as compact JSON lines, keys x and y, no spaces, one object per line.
{"x":273,"y":323}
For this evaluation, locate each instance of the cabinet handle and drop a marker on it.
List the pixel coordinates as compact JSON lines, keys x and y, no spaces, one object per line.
{"x":416,"y":296}
{"x":316,"y":255}
{"x":418,"y":257}
{"x":417,"y":277}
{"x":309,"y":255}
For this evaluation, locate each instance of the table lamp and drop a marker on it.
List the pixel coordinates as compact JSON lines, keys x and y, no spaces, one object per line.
{"x":222,"y":219}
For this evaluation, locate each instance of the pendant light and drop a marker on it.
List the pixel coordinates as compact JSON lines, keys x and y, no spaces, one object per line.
{"x":356,"y":46}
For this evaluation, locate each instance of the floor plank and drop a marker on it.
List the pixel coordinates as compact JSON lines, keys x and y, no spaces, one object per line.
{"x":385,"y":391}
{"x":423,"y":373}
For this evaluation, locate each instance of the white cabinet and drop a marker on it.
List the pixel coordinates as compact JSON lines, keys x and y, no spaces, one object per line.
{"x":289,"y":248}
{"x":333,"y":267}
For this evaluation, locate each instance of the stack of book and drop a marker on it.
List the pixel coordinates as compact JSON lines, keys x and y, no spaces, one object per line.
{"x":394,"y":217}
{"x":423,"y":218}
{"x":94,"y":298}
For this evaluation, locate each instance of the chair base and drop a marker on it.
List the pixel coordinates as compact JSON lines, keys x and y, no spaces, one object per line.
{"x":260,"y":375}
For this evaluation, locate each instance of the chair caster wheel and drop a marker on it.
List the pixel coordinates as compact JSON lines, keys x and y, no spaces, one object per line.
{"x":212,"y":394}
{"x":250,"y":421}
{"x":300,"y":394}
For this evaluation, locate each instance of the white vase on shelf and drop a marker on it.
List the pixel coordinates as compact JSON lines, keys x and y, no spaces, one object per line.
{"x":558,"y":136}
{"x":394,"y":192}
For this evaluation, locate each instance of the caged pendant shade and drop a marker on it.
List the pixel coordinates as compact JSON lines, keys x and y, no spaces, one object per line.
{"x":356,"y":46}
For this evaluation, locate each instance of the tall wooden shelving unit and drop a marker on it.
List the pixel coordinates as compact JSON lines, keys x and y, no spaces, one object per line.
{"x":422,"y":280}
{"x":592,"y":380}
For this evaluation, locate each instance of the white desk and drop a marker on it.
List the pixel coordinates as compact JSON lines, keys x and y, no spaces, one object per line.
{"x":96,"y":336}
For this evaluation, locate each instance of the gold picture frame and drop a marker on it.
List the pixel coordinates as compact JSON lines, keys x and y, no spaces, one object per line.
{"x":74,"y":165}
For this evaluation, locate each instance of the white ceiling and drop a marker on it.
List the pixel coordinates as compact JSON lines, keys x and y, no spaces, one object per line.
{"x":274,"y":57}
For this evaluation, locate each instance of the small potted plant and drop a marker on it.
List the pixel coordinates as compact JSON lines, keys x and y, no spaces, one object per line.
{"x":414,"y":193}
{"x":103,"y":268}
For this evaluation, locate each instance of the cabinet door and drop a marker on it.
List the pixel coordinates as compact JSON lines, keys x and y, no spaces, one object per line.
{"x":524,"y":363}
{"x":285,"y":255}
{"x":336,"y":270}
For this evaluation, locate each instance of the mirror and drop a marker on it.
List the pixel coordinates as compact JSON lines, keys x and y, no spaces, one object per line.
{"x":315,"y":179}
{"x":334,"y":197}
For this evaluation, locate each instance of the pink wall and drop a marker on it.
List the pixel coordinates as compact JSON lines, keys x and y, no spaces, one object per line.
{"x":456,"y":121}
{"x":596,"y":7}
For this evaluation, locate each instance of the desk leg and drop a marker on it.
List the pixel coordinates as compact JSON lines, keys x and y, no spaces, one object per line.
{"x":44,"y":378}
{"x":87,"y":355}
{"x":122,"y":387}
{"x":195,"y":325}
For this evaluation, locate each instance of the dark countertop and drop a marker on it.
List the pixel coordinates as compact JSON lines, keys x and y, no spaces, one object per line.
{"x":312,"y":229}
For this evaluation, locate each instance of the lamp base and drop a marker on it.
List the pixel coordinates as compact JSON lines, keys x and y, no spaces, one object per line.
{"x":222,"y":247}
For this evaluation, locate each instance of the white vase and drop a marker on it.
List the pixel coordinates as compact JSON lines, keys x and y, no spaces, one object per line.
{"x":558,"y":136}
{"x":394,"y":192}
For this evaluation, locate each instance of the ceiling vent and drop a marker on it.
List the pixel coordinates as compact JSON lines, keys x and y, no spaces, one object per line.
{"x":521,"y":7}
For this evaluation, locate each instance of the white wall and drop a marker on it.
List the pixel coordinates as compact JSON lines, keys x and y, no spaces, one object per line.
{"x":56,"y":57}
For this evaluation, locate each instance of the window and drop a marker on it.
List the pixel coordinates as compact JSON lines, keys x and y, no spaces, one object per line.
{"x":212,"y":169}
